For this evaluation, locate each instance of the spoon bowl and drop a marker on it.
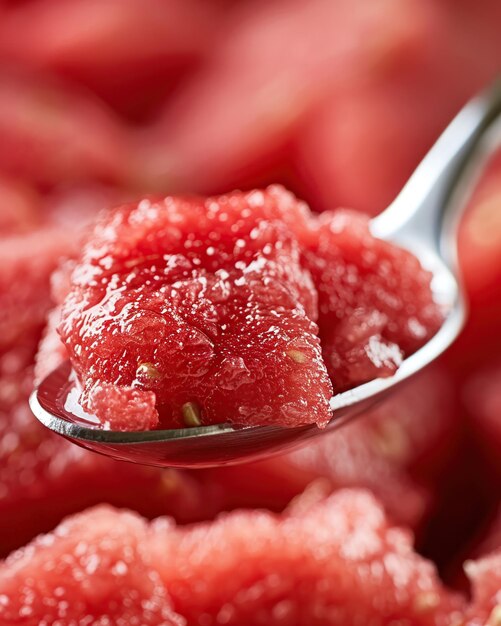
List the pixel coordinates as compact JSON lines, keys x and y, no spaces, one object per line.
{"x":423,"y":219}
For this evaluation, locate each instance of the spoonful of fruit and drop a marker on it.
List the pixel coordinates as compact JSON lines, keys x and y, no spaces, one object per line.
{"x":199,"y":332}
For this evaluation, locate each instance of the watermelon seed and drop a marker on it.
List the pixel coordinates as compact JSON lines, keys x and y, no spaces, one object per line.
{"x":191,"y":414}
{"x":297,"y":356}
{"x":148,"y":370}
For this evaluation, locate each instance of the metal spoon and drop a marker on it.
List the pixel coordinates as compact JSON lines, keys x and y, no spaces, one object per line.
{"x":423,"y":218}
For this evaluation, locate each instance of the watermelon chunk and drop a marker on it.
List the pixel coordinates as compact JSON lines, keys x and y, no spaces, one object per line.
{"x":374,"y":299}
{"x":378,"y":126}
{"x":90,"y":571}
{"x":204,"y":304}
{"x":256,"y":72}
{"x":216,"y":296}
{"x":18,"y":206}
{"x":329,"y":562}
{"x":324,"y":562}
{"x":43,"y":139}
{"x":129,"y":58}
{"x":26,"y":263}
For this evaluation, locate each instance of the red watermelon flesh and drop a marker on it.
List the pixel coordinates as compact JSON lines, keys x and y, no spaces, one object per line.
{"x":89,"y":571}
{"x":374,"y":299}
{"x":381,"y":123}
{"x":130,"y":57}
{"x":374,"y":452}
{"x":272,"y":68}
{"x":333,"y":562}
{"x":53,"y":134}
{"x":42,"y":476}
{"x":411,"y":432}
{"x":24,"y":303}
{"x":18,"y":206}
{"x":204,"y":304}
{"x":226,"y":283}
{"x":350,"y":458}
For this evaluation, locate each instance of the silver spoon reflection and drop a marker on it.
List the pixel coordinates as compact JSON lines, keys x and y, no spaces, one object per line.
{"x":423,"y":219}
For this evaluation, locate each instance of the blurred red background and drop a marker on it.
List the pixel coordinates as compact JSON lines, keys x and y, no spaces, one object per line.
{"x":102,"y":100}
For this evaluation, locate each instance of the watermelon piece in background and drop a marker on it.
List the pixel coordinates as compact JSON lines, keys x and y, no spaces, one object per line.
{"x":363,"y":100}
{"x":52,"y":133}
{"x":376,"y":131}
{"x":39,"y":232}
{"x":129,"y":53}
{"x":76,"y":205}
{"x":272,"y":66}
{"x":381,"y":124}
{"x":207,"y":303}
{"x":90,"y":570}
{"x":330,"y":561}
{"x":18,"y":206}
{"x":333,"y":561}
{"x":26,"y":263}
{"x":335,"y":462}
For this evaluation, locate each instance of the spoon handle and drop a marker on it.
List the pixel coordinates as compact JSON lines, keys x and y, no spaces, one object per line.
{"x":426,"y":212}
